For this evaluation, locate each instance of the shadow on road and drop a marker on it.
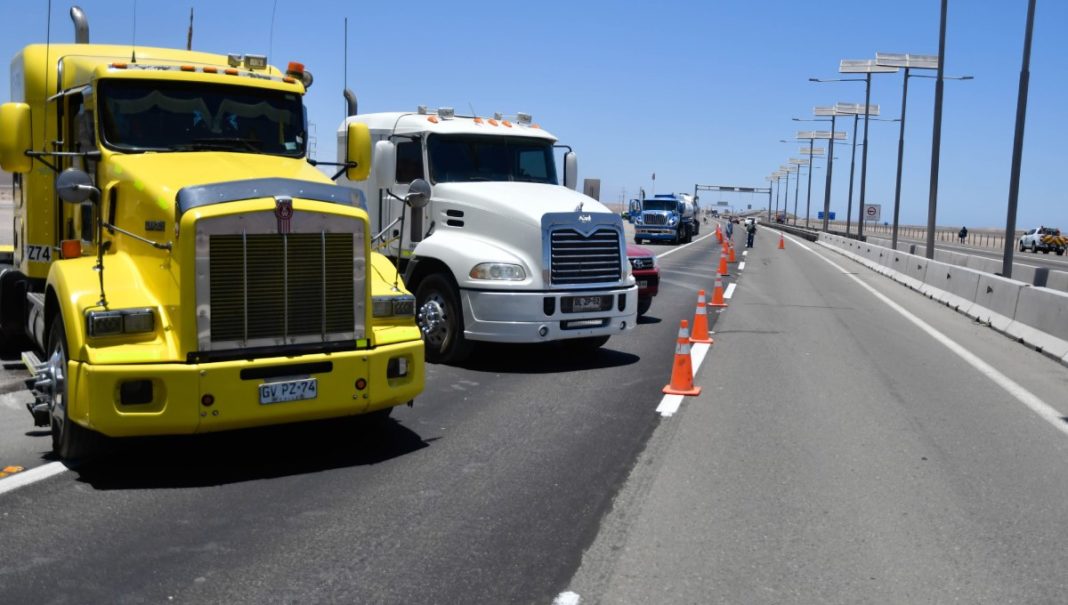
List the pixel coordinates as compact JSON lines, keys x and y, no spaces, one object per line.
{"x":545,"y":358}
{"x":247,"y":455}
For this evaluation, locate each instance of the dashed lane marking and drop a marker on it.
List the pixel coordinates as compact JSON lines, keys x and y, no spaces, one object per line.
{"x":729,"y":292}
{"x":741,"y":266}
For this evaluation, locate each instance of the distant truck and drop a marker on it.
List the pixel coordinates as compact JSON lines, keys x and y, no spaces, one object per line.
{"x":667,"y":217}
{"x":1045,"y":239}
{"x":503,"y":252}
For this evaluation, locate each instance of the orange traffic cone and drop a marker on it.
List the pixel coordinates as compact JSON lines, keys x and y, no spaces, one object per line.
{"x":700,"y":321}
{"x":782,"y":242}
{"x":682,"y":370}
{"x":719,"y":234}
{"x":717,"y":294}
{"x":723,"y":263}
{"x":730,"y":256}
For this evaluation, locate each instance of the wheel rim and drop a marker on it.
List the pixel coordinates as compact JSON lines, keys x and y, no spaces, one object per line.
{"x":433,"y":320}
{"x":56,"y":368}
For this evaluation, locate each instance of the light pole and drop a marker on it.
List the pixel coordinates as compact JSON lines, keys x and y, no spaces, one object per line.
{"x":831,"y":136}
{"x":936,"y":136}
{"x":866,"y":67}
{"x":799,"y":162}
{"x":1017,"y":143}
{"x":855,"y":110}
{"x":907,"y":62}
{"x":787,"y":168}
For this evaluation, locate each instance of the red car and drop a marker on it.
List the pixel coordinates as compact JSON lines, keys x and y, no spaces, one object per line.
{"x":646,"y":272}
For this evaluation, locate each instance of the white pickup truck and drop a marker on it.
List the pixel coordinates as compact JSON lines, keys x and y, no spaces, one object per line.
{"x":503,"y":252}
{"x":1044,"y":239}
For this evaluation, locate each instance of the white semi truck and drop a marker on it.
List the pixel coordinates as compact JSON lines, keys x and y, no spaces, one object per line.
{"x":503,"y":252}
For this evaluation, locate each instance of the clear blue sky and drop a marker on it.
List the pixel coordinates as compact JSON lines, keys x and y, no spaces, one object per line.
{"x":697,"y":92}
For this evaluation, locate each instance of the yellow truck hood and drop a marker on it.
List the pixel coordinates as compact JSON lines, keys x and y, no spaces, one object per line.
{"x":159,"y":176}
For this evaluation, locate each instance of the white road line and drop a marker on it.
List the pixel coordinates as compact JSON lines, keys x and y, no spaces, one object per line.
{"x":729,"y":291}
{"x":745,"y":253}
{"x":741,"y":266}
{"x":13,"y":482}
{"x":1032,"y":401}
{"x":567,"y":598}
{"x":670,"y":403}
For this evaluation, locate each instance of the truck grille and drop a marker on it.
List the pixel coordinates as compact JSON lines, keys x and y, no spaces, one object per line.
{"x":257,"y":287}
{"x":273,"y":286}
{"x":654,"y":219}
{"x":581,"y":259}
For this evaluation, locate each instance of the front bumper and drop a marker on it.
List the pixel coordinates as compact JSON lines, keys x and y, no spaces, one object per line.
{"x":176,"y":406}
{"x":648,"y":282}
{"x":521,"y":317}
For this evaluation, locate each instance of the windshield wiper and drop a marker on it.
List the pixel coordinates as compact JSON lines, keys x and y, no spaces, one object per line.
{"x":226,"y":143}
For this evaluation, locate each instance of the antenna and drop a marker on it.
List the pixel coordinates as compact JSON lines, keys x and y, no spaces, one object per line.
{"x":473,"y":112}
{"x":133,"y":37}
{"x":189,"y":36}
{"x":345,"y":76}
{"x":270,"y":38}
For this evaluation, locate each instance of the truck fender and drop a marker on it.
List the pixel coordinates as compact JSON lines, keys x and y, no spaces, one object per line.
{"x":461,"y":252}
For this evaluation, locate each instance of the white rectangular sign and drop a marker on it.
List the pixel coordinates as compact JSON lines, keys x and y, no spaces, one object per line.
{"x":873,"y":212}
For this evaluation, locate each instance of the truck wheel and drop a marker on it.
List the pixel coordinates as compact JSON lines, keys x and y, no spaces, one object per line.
{"x":441,"y":321}
{"x":643,"y":305}
{"x":1034,"y":248}
{"x":1023,"y":248}
{"x":69,"y":439}
{"x":1060,"y":252}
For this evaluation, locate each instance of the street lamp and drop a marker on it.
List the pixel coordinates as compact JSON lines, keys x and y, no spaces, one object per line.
{"x":831,"y":136}
{"x":866,"y":67}
{"x":1017,"y":142}
{"x":856,"y":110}
{"x":810,"y":151}
{"x":799,"y":162}
{"x":907,"y":62}
{"x":787,"y":168}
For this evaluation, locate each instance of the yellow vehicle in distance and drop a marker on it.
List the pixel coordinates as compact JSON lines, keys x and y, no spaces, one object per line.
{"x":179,"y":265}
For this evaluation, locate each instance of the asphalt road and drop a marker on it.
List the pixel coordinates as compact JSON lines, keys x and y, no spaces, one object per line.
{"x":837,"y":453}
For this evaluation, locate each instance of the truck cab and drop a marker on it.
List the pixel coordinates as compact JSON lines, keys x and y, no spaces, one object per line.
{"x":503,"y":252}
{"x":179,"y":266}
{"x":667,"y":217}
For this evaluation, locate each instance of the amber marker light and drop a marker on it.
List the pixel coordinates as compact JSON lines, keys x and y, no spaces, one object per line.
{"x":361,"y":384}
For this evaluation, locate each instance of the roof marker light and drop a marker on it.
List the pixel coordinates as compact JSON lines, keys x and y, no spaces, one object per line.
{"x":289,"y":80}
{"x":492,"y":122}
{"x":211,"y":70}
{"x":535,"y":126}
{"x":231,"y":72}
{"x":506,"y":123}
{"x":119,"y":65}
{"x":433,"y":119}
{"x":188,"y":68}
{"x":478,"y":120}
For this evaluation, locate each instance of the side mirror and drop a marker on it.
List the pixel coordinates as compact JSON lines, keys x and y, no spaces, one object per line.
{"x":74,"y":186}
{"x":15,"y":137}
{"x":358,"y":150}
{"x":571,"y":170}
{"x":385,"y":163}
{"x":418,"y":194}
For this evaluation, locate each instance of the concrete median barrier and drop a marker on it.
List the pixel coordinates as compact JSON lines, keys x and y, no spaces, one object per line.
{"x":995,"y":300}
{"x":1041,"y":320}
{"x":952,"y":285}
{"x":1057,"y":280}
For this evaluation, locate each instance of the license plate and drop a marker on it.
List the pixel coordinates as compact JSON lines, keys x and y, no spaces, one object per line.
{"x":585,"y":304}
{"x":292,"y":390}
{"x":642,"y":283}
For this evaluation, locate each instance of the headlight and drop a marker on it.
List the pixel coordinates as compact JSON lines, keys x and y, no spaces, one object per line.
{"x":393,"y":306}
{"x":498,"y":272}
{"x":673,"y":219}
{"x":120,"y":321}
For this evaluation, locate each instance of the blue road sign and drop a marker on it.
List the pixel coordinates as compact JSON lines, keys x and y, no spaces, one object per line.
{"x":819,"y":215}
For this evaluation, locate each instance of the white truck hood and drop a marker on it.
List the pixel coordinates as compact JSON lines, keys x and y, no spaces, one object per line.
{"x":525,"y":202}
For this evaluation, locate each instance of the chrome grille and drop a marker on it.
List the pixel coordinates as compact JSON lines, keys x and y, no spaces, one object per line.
{"x":275,"y":286}
{"x":654,"y":219}
{"x":580,"y":259}
{"x":257,"y":287}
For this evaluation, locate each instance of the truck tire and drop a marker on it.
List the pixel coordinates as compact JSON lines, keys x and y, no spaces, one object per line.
{"x":1023,"y":248}
{"x":70,"y":440}
{"x":1034,"y":248}
{"x":440,"y":319}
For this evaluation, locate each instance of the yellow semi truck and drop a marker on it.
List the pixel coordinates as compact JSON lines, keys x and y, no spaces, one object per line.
{"x":179,"y":265}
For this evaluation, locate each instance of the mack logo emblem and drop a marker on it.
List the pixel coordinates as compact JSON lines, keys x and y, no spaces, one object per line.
{"x":585,"y":218}
{"x":283,"y":211}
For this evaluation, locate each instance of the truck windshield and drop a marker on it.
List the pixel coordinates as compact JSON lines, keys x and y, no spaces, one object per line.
{"x":457,"y":159}
{"x":140,"y":115}
{"x":660,"y":204}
